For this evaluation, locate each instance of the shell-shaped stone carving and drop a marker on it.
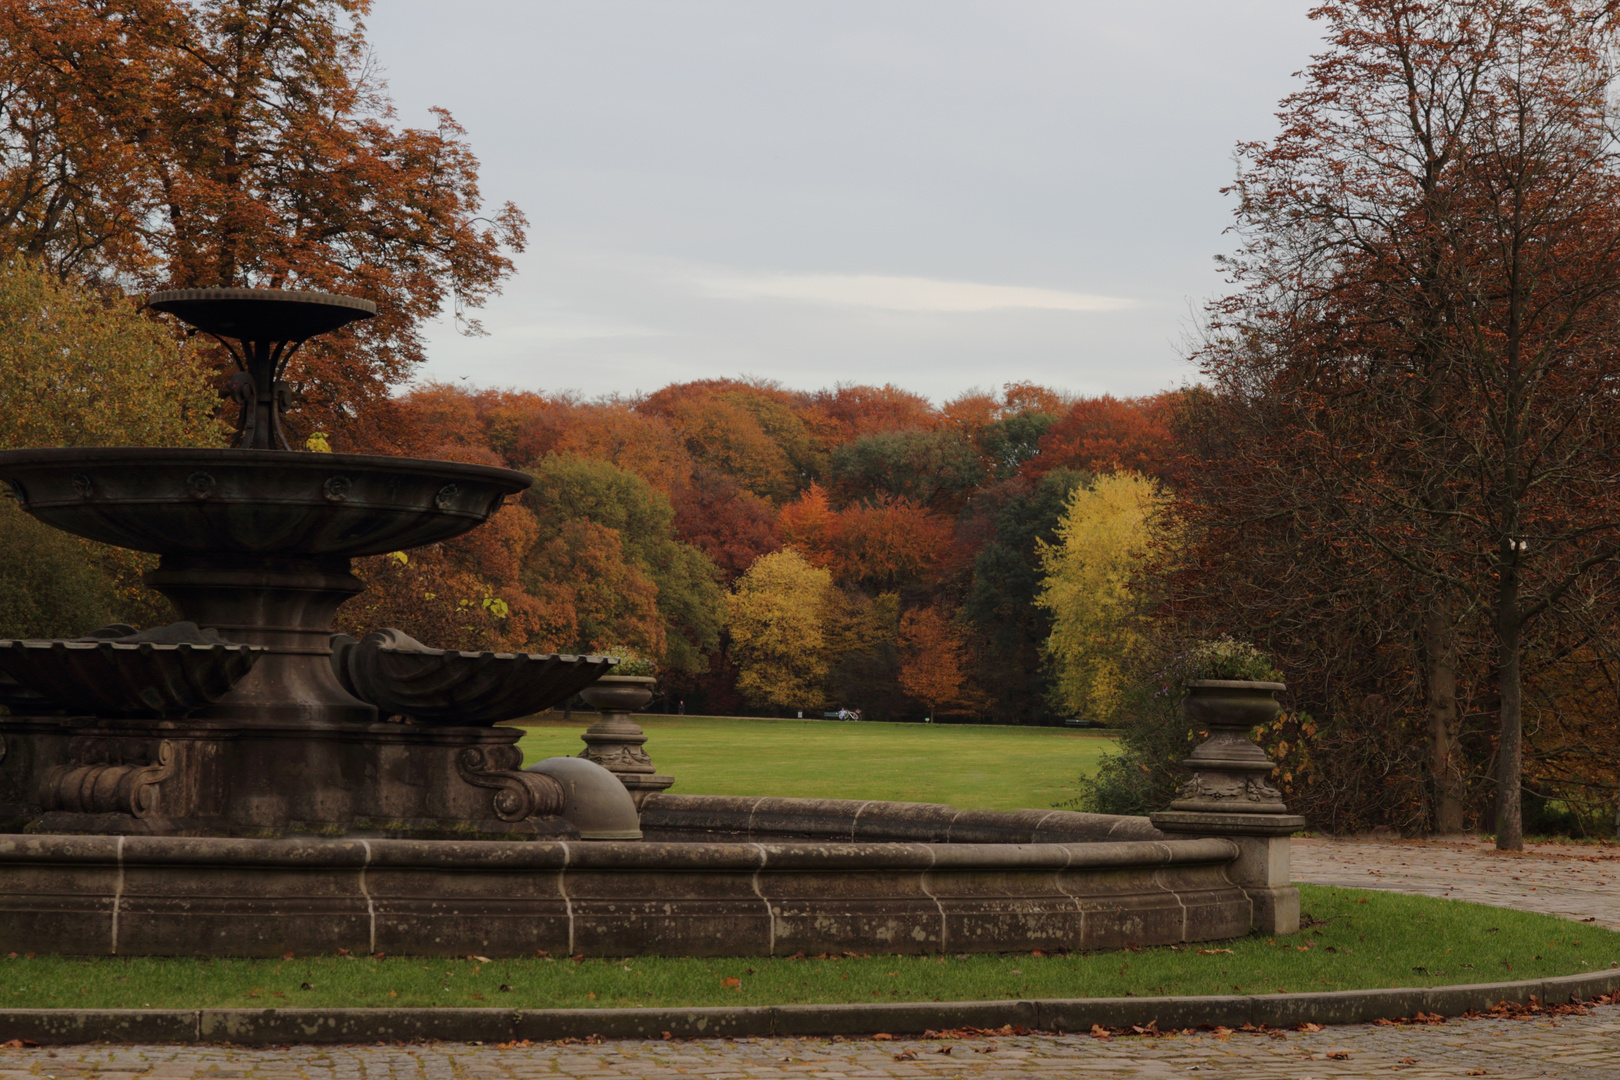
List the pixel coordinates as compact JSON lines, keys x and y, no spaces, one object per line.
{"x":402,"y":677}
{"x":140,"y":675}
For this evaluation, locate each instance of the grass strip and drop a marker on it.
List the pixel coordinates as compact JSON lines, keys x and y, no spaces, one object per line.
{"x":971,"y":766}
{"x":1356,"y":939}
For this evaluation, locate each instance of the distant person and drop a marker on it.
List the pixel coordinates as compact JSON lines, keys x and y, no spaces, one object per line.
{"x":682,"y":707}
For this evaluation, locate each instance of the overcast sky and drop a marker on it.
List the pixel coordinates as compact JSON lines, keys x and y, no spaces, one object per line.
{"x":938,"y":194}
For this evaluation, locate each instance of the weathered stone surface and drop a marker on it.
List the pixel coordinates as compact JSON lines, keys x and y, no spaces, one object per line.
{"x":1262,"y":865}
{"x":615,"y":741}
{"x":199,"y":777}
{"x":150,"y":895}
{"x":671,"y":816}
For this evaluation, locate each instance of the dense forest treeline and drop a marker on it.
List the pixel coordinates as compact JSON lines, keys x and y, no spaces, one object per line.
{"x":772,"y":549}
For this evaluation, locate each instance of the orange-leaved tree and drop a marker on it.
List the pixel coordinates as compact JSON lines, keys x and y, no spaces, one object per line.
{"x":226,"y":143}
{"x":933,"y":659}
{"x":1418,"y":363}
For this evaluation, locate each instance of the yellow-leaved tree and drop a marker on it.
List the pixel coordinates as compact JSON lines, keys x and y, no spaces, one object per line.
{"x":1106,"y":529}
{"x":84,"y":368}
{"x":778,"y":615}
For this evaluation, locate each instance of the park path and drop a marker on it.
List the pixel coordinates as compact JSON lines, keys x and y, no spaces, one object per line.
{"x":1576,"y":882}
{"x":1567,"y":1048}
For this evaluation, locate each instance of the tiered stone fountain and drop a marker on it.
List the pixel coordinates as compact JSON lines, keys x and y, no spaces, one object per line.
{"x":243,"y":782}
{"x":243,"y":720}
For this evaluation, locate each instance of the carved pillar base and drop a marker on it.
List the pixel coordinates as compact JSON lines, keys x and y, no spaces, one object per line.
{"x":1230,"y":795}
{"x":1261,"y":869}
{"x":210,"y":778}
{"x":615,"y":741}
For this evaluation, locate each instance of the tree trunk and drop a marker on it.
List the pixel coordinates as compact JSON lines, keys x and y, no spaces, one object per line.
{"x":1509,"y":751}
{"x":1445,"y":772}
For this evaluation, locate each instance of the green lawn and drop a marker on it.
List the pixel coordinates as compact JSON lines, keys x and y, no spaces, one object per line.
{"x":1359,"y":939}
{"x":992,"y":768}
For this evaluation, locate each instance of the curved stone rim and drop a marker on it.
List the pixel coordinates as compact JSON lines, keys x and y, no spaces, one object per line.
{"x":64,"y":456}
{"x":279,"y":314}
{"x":1235,"y":684}
{"x":1048,"y":1016}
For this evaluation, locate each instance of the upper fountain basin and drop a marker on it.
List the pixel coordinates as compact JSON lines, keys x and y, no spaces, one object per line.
{"x":254,"y":502}
{"x":262,"y":314}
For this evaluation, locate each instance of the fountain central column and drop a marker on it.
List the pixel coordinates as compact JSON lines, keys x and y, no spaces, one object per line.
{"x":284,"y":603}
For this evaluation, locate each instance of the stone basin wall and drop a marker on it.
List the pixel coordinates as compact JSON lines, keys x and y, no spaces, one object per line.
{"x":751,"y":817}
{"x":152,"y":895}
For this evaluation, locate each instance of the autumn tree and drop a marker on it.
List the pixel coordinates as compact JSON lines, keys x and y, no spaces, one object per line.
{"x":83,"y":368}
{"x":1430,"y":261}
{"x":1105,"y":433}
{"x":777,"y":616}
{"x":933,"y":665}
{"x":748,"y":430}
{"x":810,"y":524}
{"x":934,"y":469}
{"x":79,"y":367}
{"x":156,"y":143}
{"x":863,"y":652}
{"x":729,"y":524}
{"x":848,"y":411}
{"x":889,"y":544}
{"x":639,"y":443}
{"x":594,"y":516}
{"x":1093,"y":587}
{"x":1006,"y":627}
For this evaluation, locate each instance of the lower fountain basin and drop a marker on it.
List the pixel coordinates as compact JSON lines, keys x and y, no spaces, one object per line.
{"x":119,"y":678}
{"x":402,"y":677}
{"x":254,"y":502}
{"x":701,"y":896}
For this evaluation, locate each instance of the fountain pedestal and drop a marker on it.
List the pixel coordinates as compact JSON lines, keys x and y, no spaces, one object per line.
{"x":615,"y":741}
{"x":1230,"y":796}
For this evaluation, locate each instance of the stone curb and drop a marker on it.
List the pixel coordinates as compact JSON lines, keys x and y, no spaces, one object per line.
{"x":262,"y":1027}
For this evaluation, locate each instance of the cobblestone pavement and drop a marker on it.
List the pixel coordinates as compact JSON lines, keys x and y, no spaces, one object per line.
{"x":1575,"y":881}
{"x":1568,"y":1048}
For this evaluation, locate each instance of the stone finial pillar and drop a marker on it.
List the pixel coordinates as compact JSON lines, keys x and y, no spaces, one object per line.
{"x":1230,"y":795}
{"x":615,"y":741}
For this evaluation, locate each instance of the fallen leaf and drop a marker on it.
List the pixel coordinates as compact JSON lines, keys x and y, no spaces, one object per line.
{"x":883,"y":1036}
{"x":1213,"y":952}
{"x":906,"y":1055}
{"x":1307,"y":1027}
{"x":1338,"y":1055}
{"x":480,"y":959}
{"x":731,"y":982}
